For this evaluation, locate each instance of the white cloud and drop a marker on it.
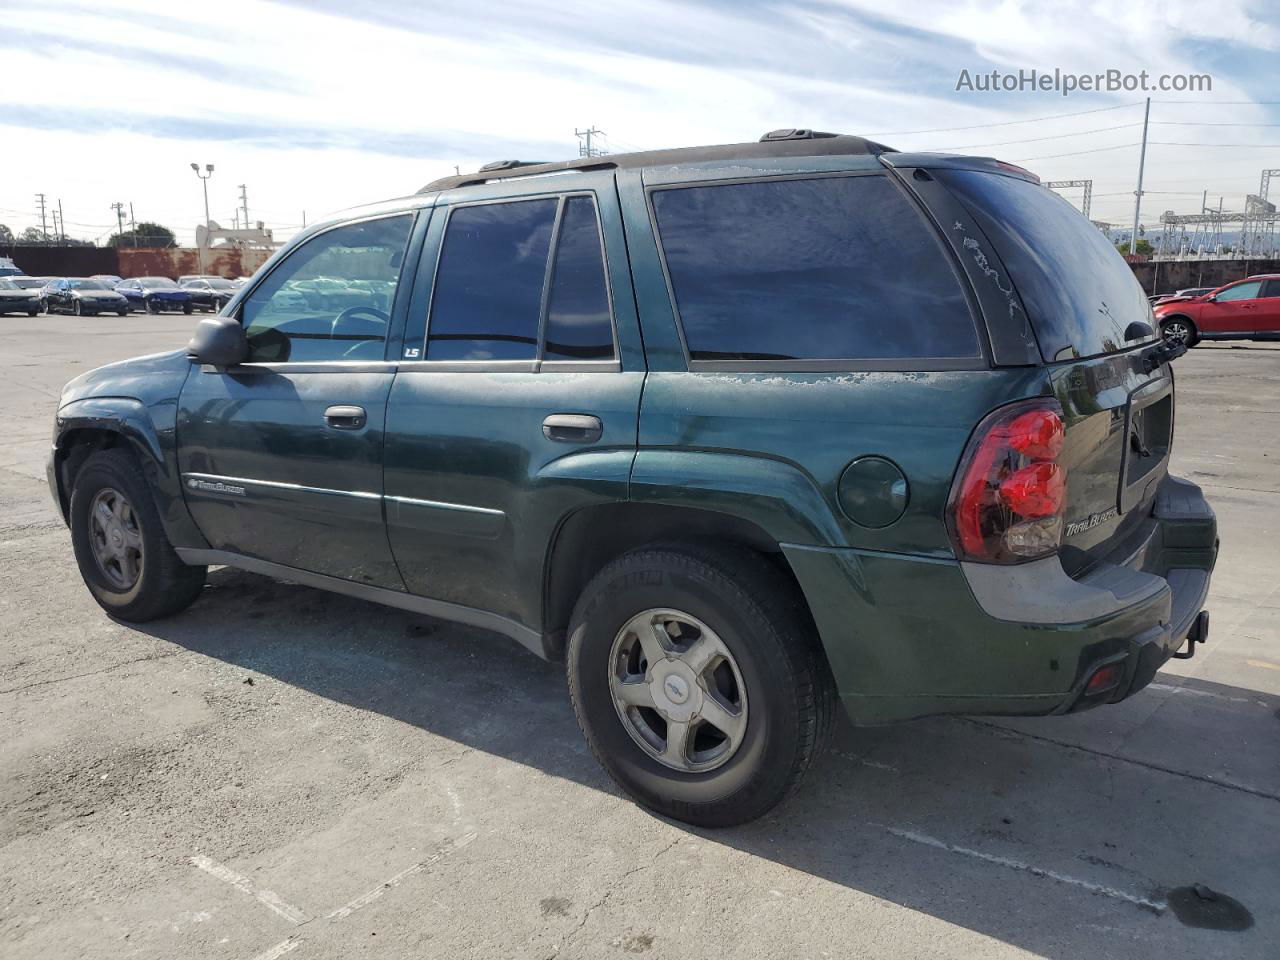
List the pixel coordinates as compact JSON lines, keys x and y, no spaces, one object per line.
{"x":407,"y":92}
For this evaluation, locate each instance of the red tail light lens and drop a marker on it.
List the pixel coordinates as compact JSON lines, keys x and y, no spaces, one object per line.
{"x":1008,"y":500}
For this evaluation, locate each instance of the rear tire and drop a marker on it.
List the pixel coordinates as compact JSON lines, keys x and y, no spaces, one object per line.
{"x":125,"y":558}
{"x":153,"y":307}
{"x":1180,"y":329}
{"x":33,"y":313}
{"x":768,"y":682}
{"x":187,"y":308}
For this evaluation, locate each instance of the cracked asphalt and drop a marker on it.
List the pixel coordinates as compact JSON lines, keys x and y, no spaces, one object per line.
{"x":281,"y":771}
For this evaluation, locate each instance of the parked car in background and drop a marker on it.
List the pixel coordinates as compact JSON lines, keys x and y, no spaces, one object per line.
{"x":84,"y":297}
{"x":209,"y":293}
{"x":110,"y":279}
{"x":31,"y":283}
{"x":16,"y":299}
{"x":738,"y":432}
{"x":1184,"y":294}
{"x":1248,"y":309}
{"x":8,"y":268}
{"x":156,"y":294}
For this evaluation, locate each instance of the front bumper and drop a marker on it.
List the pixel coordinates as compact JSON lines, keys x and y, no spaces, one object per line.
{"x":911,"y":636}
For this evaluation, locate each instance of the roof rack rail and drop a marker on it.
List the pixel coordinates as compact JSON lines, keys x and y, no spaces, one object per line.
{"x":796,"y":133}
{"x":510,"y":165}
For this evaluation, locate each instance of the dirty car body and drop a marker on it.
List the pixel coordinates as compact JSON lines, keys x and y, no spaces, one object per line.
{"x":845,"y":366}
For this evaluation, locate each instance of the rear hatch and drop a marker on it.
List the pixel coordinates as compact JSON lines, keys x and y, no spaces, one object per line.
{"x":1082,"y":299}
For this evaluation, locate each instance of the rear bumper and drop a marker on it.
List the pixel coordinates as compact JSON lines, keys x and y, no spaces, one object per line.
{"x":913,"y":636}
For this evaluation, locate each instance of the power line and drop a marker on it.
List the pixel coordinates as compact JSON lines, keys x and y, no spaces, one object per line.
{"x":1209,"y":123}
{"x":1170,"y":143}
{"x":1003,"y":123}
{"x":1077,"y":153}
{"x":1056,"y":136}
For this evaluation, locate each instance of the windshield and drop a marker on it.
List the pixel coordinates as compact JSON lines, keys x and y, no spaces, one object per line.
{"x":86,"y":285}
{"x":158,"y":283}
{"x":8,"y":285}
{"x":1079,"y":292}
{"x":28,"y":283}
{"x":219,"y":284}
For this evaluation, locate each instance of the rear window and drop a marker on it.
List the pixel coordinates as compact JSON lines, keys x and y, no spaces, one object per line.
{"x":1077,"y":289}
{"x":826,"y":268}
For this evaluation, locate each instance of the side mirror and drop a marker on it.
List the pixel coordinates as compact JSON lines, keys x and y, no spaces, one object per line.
{"x":219,"y":341}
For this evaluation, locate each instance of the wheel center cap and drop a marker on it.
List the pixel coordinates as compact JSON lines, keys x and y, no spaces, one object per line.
{"x":676,"y":688}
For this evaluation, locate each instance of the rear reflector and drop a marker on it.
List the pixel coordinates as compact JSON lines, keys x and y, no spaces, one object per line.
{"x":1104,"y":679}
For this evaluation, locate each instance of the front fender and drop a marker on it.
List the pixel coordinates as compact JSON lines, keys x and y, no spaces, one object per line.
{"x":148,"y":431}
{"x":776,"y":496}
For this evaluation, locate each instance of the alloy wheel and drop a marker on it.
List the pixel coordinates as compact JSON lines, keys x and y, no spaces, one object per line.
{"x":677,"y":690}
{"x":1177,"y":330}
{"x":115,"y":538}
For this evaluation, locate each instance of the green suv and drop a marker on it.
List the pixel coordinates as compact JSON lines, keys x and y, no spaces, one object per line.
{"x":735,"y":431}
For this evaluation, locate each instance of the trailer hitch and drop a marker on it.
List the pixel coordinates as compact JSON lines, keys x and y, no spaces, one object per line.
{"x":1198,"y":633}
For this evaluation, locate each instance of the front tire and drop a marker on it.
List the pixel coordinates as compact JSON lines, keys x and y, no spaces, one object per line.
{"x":77,"y":309}
{"x":153,"y":307}
{"x":1181,"y":330}
{"x":698,"y":680}
{"x":187,"y":309}
{"x":125,"y":558}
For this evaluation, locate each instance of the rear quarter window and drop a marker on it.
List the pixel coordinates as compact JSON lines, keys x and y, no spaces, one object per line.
{"x":1080,"y":294}
{"x":825,"y":268}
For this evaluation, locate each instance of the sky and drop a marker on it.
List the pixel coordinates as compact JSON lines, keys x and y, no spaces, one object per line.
{"x":319,"y":106}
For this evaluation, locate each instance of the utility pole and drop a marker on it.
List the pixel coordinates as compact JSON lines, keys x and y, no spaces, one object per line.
{"x":133,"y":224}
{"x":118,"y":207}
{"x":1142,"y":162}
{"x":62,"y":224}
{"x":244,"y":205}
{"x":304,"y":219}
{"x":44,"y":228}
{"x":585,"y":149}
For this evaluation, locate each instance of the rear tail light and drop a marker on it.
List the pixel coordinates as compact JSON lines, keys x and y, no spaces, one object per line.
{"x":1008,"y":499}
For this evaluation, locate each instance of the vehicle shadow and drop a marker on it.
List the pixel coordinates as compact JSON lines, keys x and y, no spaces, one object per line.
{"x":1042,"y":834}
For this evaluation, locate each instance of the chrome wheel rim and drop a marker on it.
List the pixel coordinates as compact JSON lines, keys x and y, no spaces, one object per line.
{"x":115,"y":538}
{"x":1176,"y":330}
{"x":678,"y":690}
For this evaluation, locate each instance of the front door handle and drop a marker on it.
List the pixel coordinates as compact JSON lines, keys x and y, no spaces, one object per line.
{"x":344,"y":417}
{"x":572,"y":428}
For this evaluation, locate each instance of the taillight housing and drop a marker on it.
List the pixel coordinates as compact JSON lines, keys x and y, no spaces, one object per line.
{"x":1010,"y":492}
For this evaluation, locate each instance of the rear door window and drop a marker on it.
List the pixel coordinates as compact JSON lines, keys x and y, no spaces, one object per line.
{"x":1079,"y":293}
{"x":826,"y":268}
{"x":488,"y":292}
{"x":492,"y":300}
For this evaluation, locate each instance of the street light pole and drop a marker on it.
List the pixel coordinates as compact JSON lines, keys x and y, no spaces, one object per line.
{"x":204,"y":182}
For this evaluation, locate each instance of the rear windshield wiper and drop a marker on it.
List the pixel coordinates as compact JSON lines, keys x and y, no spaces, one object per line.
{"x":1161,"y":353}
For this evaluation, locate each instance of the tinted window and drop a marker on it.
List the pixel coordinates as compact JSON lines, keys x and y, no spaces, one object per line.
{"x":819,"y":269}
{"x":1242,"y":291}
{"x":488,"y":290}
{"x":1078,"y":291}
{"x":1272,"y":290}
{"x":578,"y":324}
{"x":331,"y":298}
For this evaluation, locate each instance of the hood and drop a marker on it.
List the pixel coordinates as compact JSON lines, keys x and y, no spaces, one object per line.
{"x":101,"y":294}
{"x":19,"y":294}
{"x":1171,"y":300}
{"x":151,"y":379}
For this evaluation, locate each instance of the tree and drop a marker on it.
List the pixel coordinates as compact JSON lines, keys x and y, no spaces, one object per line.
{"x":145,"y":234}
{"x":1143,"y":247}
{"x":6,"y":235}
{"x":32,"y":235}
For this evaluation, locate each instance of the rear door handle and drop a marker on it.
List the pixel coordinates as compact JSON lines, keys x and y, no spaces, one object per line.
{"x":344,"y":417}
{"x":572,"y":428}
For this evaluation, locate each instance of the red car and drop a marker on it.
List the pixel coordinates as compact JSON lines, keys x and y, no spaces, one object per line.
{"x":1248,"y":309}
